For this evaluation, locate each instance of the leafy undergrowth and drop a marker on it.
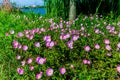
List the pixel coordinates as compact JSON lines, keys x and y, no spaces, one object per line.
{"x":87,"y":48}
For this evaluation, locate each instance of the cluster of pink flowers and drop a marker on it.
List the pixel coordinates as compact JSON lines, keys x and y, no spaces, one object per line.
{"x":111,"y":29}
{"x":48,"y":42}
{"x":40,"y":60}
{"x":39,"y":75}
{"x":85,"y":61}
{"x":66,"y":34}
{"x":16,"y":45}
{"x":70,"y":44}
{"x":107,"y":43}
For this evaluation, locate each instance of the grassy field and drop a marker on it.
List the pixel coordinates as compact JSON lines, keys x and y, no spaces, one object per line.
{"x":35,"y":47}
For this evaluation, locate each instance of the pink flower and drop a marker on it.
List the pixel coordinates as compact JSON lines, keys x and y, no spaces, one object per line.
{"x":39,"y":75}
{"x":108,"y":27}
{"x":62,"y":70}
{"x":37,"y":44}
{"x":18,"y":57}
{"x":97,"y":46}
{"x":87,"y":48}
{"x":20,"y":71}
{"x":47,"y":43}
{"x":31,"y":68}
{"x":25,"y":47}
{"x":112,"y":28}
{"x":15,"y":43}
{"x":42,"y":29}
{"x":75,"y":37}
{"x":97,"y":31}
{"x":47,"y":38}
{"x":51,"y":44}
{"x":118,"y":45}
{"x":72,"y":66}
{"x":61,"y":37}
{"x":19,"y":46}
{"x":37,"y":59}
{"x":109,"y":54}
{"x":20,"y":34}
{"x":108,"y":47}
{"x":106,"y":41}
{"x":30,"y":37}
{"x":118,"y":68}
{"x":118,"y":23}
{"x":41,"y":61}
{"x":66,"y":36}
{"x":49,"y":72}
{"x":29,"y":60}
{"x":88,"y":62}
{"x":23,"y":63}
{"x":6,"y":34}
{"x":26,"y":31}
{"x":12,"y":32}
{"x":82,"y":28}
{"x":119,"y":34}
{"x":70,"y":44}
{"x":85,"y":61}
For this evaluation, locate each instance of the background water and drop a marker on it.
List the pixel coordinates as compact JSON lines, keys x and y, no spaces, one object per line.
{"x":40,"y":11}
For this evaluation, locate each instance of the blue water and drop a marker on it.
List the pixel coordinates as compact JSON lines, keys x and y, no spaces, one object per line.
{"x":40,"y":11}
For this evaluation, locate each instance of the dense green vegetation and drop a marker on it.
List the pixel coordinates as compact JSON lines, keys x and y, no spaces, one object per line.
{"x":50,"y":47}
{"x":74,"y":46}
{"x":104,"y":7}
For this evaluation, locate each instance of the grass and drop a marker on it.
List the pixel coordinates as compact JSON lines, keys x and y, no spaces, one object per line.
{"x":101,"y":66}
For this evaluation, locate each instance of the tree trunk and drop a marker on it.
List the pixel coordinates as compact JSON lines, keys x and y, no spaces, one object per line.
{"x":72,"y":12}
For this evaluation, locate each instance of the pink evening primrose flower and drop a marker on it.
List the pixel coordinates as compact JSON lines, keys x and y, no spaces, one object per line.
{"x":49,"y":72}
{"x":31,"y":68}
{"x":29,"y":60}
{"x":70,"y":44}
{"x":106,"y":41}
{"x":87,"y":48}
{"x":85,"y":61}
{"x":19,"y":46}
{"x":109,"y":54}
{"x":108,"y":47}
{"x":6,"y":34}
{"x":20,"y":34}
{"x":118,"y":45}
{"x":25,"y":47}
{"x":37,"y":44}
{"x":62,"y":70}
{"x":20,"y":71}
{"x":118,"y":68}
{"x":18,"y":57}
{"x":39,"y":75}
{"x":41,"y":61}
{"x":97,"y":46}
{"x":75,"y":37}
{"x":23,"y":63}
{"x":12,"y":32}
{"x":51,"y":44}
{"x":72,"y":66}
{"x":37,"y":58}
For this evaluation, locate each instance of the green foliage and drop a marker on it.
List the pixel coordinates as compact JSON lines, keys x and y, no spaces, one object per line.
{"x":61,"y":7}
{"x":101,"y":67}
{"x":57,"y":8}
